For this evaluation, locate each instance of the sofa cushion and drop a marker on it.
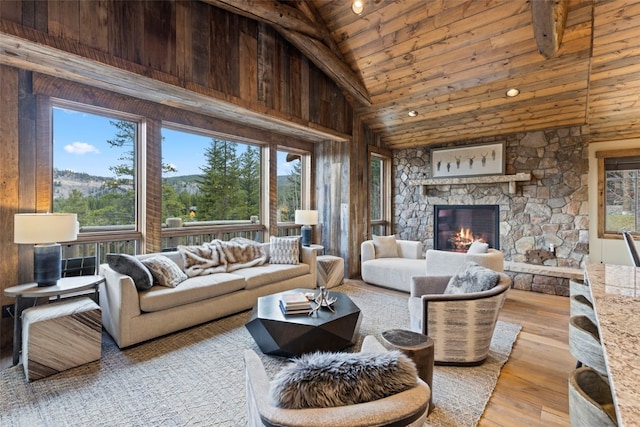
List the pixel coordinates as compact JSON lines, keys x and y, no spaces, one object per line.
{"x":132,"y":267}
{"x":164,"y":271}
{"x":191,"y":290}
{"x":322,"y":379}
{"x":386,"y":246}
{"x":271,"y":273}
{"x":472,"y":277}
{"x":284,"y":250}
{"x":394,"y":273}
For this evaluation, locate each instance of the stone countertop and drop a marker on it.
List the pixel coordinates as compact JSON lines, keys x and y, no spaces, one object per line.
{"x":616,"y":298}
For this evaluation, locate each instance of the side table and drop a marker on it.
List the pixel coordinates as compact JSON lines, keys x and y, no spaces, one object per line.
{"x":22,"y":293}
{"x":418,"y":347}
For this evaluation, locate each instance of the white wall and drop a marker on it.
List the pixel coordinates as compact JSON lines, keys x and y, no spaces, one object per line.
{"x":611,"y":251}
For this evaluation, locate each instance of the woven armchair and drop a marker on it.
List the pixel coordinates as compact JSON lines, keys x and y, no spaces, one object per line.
{"x":462,"y":325}
{"x":407,"y":408}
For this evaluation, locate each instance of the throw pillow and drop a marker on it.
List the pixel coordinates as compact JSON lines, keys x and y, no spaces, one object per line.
{"x":478,"y":247}
{"x":472,"y":277}
{"x":284,"y":250}
{"x":386,"y":246}
{"x":132,"y":267}
{"x":164,"y":271}
{"x":322,"y":379}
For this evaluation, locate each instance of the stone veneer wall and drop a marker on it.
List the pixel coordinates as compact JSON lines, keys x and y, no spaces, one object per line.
{"x":550,"y":209}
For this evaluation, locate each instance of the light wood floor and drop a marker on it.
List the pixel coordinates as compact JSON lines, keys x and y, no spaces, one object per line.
{"x":532,"y":388}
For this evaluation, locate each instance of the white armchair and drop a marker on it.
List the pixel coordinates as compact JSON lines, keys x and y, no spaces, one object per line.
{"x":408,"y":408}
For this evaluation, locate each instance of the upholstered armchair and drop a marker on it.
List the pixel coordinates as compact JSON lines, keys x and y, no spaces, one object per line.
{"x":407,"y":408}
{"x":461,"y":325}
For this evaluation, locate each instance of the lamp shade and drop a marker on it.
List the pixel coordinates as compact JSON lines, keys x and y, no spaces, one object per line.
{"x":306,"y":217}
{"x":45,"y":227}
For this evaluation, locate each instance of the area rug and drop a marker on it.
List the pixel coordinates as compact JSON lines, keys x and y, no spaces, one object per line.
{"x":196,"y":377}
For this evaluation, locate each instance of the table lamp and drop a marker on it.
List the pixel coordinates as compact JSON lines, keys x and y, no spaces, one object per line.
{"x":44,"y":230}
{"x":306,"y":218}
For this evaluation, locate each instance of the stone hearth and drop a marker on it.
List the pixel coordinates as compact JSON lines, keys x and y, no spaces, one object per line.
{"x":550,"y":209}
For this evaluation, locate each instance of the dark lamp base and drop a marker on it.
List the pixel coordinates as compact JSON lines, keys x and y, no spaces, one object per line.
{"x":306,"y":235}
{"x":47,"y":264}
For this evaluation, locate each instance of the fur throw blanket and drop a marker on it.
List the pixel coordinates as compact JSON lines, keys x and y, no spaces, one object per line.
{"x":324,"y":379}
{"x":219,"y":256}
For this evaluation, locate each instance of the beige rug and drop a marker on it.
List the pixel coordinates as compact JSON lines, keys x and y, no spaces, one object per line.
{"x":196,"y":378}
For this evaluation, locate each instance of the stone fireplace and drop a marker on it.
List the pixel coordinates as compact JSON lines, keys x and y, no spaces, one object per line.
{"x":457,"y":226}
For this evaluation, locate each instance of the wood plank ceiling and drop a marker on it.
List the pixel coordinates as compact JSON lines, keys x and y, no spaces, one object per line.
{"x":453,"y":60}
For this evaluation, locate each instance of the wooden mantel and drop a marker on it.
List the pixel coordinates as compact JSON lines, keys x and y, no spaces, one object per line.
{"x":483,"y":179}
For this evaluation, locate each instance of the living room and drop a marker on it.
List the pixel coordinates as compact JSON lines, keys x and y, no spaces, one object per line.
{"x":196,"y":66}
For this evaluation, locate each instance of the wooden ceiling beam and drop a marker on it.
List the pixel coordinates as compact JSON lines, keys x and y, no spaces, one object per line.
{"x":549,"y":18}
{"x":309,"y":36}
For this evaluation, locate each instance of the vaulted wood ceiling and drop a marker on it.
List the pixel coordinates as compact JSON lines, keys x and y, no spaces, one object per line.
{"x":453,"y":60}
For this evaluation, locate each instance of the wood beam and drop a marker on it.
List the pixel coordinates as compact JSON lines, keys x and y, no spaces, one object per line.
{"x":26,"y":53}
{"x":549,"y":18}
{"x":309,"y":36}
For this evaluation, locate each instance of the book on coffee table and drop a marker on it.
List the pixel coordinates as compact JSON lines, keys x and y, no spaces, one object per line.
{"x":295,"y":304}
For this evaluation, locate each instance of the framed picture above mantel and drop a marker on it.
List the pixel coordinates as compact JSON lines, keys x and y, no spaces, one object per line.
{"x":468,"y":160}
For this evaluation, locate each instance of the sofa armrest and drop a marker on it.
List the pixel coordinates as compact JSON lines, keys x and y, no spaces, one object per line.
{"x":310,"y":256}
{"x":428,"y":285}
{"x":119,"y":302}
{"x":409,"y":249}
{"x":367,"y":251}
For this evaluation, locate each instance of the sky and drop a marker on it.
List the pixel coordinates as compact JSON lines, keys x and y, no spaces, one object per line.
{"x":80,"y":144}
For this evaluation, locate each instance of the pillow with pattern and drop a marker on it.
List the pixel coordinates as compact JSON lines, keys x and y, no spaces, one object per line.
{"x":284,"y":250}
{"x":165,"y":272}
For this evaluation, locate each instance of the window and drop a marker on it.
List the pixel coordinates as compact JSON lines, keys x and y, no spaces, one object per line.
{"x":290,"y":184}
{"x":209,"y":179}
{"x":619,"y":179}
{"x":379,"y":185}
{"x":94,"y":167}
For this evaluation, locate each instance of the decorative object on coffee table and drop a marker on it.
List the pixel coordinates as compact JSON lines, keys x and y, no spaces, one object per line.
{"x":323,"y":299}
{"x":418,"y":347}
{"x":281,"y":335}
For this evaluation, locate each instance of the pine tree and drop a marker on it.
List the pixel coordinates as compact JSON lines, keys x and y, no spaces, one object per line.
{"x":219,"y":183}
{"x":250,"y":181}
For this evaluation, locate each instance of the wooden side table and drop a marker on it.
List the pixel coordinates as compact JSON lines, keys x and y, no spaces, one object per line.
{"x":418,"y":347}
{"x":31,"y":291}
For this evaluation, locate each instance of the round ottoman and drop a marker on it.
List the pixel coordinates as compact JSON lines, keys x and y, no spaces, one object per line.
{"x":330,"y":271}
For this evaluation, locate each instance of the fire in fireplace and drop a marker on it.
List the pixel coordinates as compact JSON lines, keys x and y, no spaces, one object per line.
{"x":457,"y":226}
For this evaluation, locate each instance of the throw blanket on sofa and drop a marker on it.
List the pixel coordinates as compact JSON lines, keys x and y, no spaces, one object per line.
{"x":219,"y":256}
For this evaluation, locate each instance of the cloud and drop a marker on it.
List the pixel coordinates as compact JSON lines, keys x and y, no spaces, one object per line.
{"x":80,"y":148}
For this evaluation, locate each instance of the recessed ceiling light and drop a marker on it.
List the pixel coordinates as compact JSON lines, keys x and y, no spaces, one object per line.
{"x":357,"y":6}
{"x":513,"y":92}
{"x":413,"y":113}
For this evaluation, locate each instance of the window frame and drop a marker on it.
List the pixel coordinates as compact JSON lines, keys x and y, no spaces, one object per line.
{"x":385,"y":190}
{"x":601,"y":157}
{"x":139,"y":155}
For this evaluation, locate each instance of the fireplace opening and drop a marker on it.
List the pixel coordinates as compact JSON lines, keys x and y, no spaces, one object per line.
{"x":457,"y":226}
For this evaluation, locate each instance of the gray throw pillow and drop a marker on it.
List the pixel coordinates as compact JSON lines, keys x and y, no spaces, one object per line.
{"x":323,"y":379}
{"x":164,"y":271}
{"x":132,"y":267}
{"x":472,"y":277}
{"x":478,"y":247}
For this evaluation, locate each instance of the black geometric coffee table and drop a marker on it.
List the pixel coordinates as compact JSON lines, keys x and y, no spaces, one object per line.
{"x":293,"y":335}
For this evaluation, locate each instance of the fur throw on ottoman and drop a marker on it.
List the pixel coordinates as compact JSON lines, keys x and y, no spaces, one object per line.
{"x":322,"y":379}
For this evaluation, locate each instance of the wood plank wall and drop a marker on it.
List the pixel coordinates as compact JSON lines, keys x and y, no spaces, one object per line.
{"x":188,"y":44}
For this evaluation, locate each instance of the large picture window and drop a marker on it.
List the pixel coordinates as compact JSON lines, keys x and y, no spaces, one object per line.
{"x":290,"y":184}
{"x":619,"y":179}
{"x":209,"y":179}
{"x":379,"y":184}
{"x":94,"y":168}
